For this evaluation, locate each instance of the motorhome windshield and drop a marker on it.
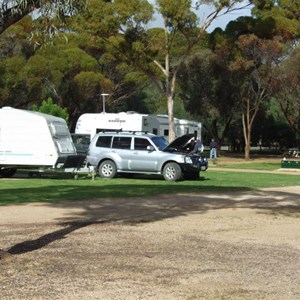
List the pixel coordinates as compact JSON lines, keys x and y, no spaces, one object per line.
{"x":160,"y":142}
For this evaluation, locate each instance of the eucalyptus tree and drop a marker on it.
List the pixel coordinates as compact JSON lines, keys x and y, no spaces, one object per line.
{"x":209,"y":89}
{"x":15,"y":49}
{"x":282,"y":15}
{"x":12,"y":11}
{"x":156,"y":54}
{"x":288,"y":89}
{"x":255,"y":71}
{"x":285,"y":18}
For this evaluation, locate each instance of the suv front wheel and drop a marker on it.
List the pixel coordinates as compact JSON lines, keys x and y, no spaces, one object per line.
{"x":172,"y":172}
{"x":107,"y":169}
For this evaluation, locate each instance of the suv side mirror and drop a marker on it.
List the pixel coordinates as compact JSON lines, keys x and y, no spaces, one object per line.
{"x":150,"y":148}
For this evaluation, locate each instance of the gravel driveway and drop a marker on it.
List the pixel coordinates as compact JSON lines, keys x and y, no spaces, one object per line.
{"x":239,"y":245}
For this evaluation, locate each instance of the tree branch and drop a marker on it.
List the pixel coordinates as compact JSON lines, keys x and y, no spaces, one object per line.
{"x":12,"y":15}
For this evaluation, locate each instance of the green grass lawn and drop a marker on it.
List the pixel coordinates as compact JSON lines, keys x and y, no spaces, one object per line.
{"x":25,"y":190}
{"x":252,"y":166}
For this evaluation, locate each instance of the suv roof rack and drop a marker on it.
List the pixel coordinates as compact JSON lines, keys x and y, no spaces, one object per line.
{"x":109,"y":130}
{"x":121,"y":130}
{"x":138,"y":131}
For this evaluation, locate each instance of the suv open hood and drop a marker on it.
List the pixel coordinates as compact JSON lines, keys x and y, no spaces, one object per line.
{"x":179,"y":142}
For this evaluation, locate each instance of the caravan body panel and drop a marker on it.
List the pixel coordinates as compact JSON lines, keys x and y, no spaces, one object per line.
{"x":30,"y":138}
{"x":92,"y":123}
{"x":182,"y":127}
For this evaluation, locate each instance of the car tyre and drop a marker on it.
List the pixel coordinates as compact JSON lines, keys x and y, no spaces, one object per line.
{"x":172,"y":172}
{"x":107,"y":169}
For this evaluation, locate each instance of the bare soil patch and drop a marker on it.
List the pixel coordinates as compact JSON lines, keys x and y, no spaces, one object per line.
{"x":239,"y":245}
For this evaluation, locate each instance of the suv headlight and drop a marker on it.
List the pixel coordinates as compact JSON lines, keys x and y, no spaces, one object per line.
{"x":188,"y":160}
{"x":202,"y":159}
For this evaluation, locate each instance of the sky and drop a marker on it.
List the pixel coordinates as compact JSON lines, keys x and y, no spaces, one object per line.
{"x":204,"y":11}
{"x":221,"y":21}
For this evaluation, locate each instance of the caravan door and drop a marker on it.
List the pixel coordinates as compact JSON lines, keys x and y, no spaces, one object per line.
{"x":2,"y":151}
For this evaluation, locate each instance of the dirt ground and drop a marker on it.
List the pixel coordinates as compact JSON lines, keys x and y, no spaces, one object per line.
{"x":238,"y":245}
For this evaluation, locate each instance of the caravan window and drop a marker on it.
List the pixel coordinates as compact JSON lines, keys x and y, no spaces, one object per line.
{"x":104,"y":141}
{"x":59,"y":129}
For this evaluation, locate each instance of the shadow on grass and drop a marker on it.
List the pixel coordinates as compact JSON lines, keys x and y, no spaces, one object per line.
{"x":18,"y":191}
{"x":58,"y":193}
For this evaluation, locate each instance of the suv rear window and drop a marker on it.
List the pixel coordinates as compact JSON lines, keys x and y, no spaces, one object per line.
{"x":104,"y":141}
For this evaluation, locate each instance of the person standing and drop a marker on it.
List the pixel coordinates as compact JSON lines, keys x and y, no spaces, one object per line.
{"x":198,"y":146}
{"x":213,"y":146}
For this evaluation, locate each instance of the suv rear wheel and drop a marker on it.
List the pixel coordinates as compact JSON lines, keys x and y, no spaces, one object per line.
{"x":107,"y":169}
{"x":172,"y":172}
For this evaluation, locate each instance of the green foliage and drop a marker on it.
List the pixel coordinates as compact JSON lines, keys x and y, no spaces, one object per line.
{"x":133,"y":12}
{"x":50,"y":108}
{"x":288,"y":89}
{"x":88,"y":84}
{"x":177,"y":14}
{"x":283,"y":13}
{"x":52,"y":14}
{"x":110,"y":49}
{"x":208,"y":90}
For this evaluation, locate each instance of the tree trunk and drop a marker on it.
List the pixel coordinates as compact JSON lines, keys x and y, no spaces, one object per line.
{"x":171,"y":118}
{"x":247,"y":134}
{"x":170,"y":89}
{"x":247,"y":150}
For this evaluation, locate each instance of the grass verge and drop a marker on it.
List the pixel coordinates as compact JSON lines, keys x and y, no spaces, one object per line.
{"x":251,"y":166}
{"x":26,"y":190}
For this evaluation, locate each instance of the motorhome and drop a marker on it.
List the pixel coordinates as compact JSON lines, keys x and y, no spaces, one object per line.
{"x":34,"y":140}
{"x":182,"y":126}
{"x":92,"y":123}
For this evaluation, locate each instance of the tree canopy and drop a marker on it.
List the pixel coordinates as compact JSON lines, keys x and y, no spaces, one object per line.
{"x":178,"y":69}
{"x":13,"y":11}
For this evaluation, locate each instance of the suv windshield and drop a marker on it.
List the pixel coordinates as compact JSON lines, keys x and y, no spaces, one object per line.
{"x":160,"y":142}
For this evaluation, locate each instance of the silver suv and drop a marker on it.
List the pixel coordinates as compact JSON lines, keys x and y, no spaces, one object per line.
{"x":145,"y":153}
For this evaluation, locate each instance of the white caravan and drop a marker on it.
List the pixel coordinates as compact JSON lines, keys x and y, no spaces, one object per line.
{"x":92,"y":123}
{"x":34,"y":140}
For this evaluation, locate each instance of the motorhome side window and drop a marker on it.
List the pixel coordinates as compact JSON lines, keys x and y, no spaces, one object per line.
{"x":104,"y":141}
{"x":121,"y":142}
{"x":141,"y":144}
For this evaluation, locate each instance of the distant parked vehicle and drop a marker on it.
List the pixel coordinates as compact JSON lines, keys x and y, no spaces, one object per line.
{"x":81,"y":142}
{"x":92,"y":123}
{"x":113,"y":153}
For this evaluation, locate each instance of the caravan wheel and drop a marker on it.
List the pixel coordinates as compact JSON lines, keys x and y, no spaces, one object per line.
{"x":107,"y":169}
